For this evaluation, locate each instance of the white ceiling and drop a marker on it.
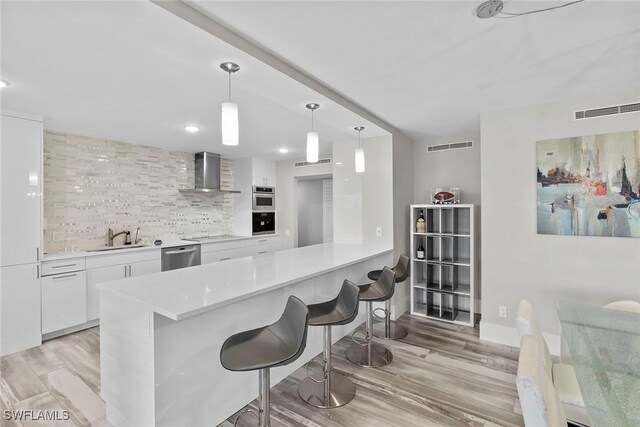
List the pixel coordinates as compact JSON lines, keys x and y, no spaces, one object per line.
{"x":430,"y":68}
{"x":133,"y":72}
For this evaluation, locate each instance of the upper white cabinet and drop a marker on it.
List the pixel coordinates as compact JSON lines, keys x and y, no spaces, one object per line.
{"x":264,"y":172}
{"x":21,"y":190}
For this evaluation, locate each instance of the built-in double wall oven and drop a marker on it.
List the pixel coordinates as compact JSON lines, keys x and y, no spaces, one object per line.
{"x":264,"y":215}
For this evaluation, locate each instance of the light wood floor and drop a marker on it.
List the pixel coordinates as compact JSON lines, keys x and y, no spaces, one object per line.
{"x":441,"y":375}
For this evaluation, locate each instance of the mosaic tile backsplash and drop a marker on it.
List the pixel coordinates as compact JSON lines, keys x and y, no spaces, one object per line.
{"x":91,"y":185}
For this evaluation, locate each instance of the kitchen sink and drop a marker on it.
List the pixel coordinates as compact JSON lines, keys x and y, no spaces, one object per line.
{"x":117,"y":248}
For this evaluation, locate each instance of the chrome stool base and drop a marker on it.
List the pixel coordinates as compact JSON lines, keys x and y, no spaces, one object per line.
{"x":395,"y":332}
{"x":338,"y":391}
{"x":378,"y":357}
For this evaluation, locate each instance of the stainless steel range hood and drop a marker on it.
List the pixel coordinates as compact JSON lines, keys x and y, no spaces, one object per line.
{"x":207,"y":175}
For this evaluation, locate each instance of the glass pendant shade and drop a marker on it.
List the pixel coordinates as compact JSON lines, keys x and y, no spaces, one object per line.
{"x":359,"y":160}
{"x":230,"y":127}
{"x":312,"y":147}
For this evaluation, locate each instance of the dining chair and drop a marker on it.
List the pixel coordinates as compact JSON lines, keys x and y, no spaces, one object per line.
{"x":541,"y":406}
{"x":632,"y":306}
{"x":563,"y":375}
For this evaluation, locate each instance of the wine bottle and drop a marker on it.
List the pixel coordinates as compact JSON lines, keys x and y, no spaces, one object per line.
{"x":420,"y":254}
{"x":421,"y":225}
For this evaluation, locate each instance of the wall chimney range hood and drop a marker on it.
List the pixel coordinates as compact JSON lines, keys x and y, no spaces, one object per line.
{"x":207,"y":175}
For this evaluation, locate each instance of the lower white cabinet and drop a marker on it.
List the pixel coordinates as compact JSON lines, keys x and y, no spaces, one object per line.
{"x":64,"y":301}
{"x":262,"y":249}
{"x":210,"y":257}
{"x":19,"y":308}
{"x":113,"y":272}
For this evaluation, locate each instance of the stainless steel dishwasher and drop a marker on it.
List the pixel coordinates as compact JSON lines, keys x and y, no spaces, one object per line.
{"x":177,"y":257}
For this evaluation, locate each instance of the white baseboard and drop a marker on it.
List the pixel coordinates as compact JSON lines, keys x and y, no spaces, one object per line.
{"x":508,"y":335}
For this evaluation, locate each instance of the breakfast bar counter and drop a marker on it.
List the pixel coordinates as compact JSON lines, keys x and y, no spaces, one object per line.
{"x":161,"y":334}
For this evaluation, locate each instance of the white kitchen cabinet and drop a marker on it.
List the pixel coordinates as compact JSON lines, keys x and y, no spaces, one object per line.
{"x":21,"y":190}
{"x":144,"y":267}
{"x":114,"y":272}
{"x":19,"y":308}
{"x":257,"y":250}
{"x":64,"y":301}
{"x":216,"y":256}
{"x":264,"y":172}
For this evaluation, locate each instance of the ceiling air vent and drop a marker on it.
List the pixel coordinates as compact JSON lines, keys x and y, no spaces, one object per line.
{"x":607,"y":111}
{"x":452,"y":146}
{"x":319,"y":162}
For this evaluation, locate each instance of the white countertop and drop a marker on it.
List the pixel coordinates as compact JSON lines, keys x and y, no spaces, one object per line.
{"x":165,"y":244}
{"x":183,"y":293}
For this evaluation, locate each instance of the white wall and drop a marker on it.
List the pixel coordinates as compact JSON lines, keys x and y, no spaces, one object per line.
{"x":453,"y":168}
{"x":403,"y":182}
{"x":286,"y":207}
{"x":310,"y":211}
{"x":363,"y":201}
{"x":518,"y":263}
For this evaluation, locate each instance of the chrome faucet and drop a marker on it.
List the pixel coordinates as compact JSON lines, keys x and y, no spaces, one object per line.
{"x":112,"y":236}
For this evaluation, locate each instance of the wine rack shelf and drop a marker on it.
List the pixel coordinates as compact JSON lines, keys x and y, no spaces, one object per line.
{"x":443,"y":283}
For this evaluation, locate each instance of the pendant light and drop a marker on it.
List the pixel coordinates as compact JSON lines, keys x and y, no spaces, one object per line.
{"x":313,"y":140}
{"x":359,"y":152}
{"x":229,"y":124}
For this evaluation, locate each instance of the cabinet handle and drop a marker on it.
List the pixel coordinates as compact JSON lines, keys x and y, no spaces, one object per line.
{"x":125,"y":271}
{"x":263,"y":252}
{"x":66,"y":276}
{"x":224,"y":259}
{"x":63,"y":266}
{"x":129,"y":270}
{"x":37,"y":254}
{"x":263,"y":240}
{"x":37,"y":271}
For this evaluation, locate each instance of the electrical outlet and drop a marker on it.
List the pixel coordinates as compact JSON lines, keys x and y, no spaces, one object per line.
{"x":502,"y":311}
{"x":378,"y":231}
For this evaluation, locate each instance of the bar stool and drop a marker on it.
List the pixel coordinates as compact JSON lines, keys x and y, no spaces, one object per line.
{"x":333,"y":390}
{"x":368,"y":354}
{"x":387,"y":329}
{"x":263,"y":348}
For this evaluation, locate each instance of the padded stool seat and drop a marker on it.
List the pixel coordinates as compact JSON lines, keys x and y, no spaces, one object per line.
{"x":368,"y":354}
{"x":263,"y":348}
{"x":387,"y":329}
{"x":333,"y":390}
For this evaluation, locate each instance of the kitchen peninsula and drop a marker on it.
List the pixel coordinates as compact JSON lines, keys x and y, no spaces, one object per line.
{"x":161,"y":334}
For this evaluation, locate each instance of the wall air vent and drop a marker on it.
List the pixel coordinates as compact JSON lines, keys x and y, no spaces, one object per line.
{"x":607,"y":111}
{"x":319,"y":162}
{"x":452,"y":146}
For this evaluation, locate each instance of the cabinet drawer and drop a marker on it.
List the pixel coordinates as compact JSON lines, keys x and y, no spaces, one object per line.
{"x":63,"y":266}
{"x":259,"y":250}
{"x":64,"y":301}
{"x":217,"y":256}
{"x":222,"y":246}
{"x":124,"y":256}
{"x":262,"y":240}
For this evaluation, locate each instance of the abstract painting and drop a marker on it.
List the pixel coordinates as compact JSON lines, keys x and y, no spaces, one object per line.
{"x":589,"y":185}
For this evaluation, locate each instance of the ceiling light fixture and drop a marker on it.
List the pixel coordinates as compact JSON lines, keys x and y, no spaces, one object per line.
{"x":191,"y":128}
{"x":283,"y":150}
{"x":492,"y":8}
{"x":313,"y":140}
{"x":4,"y":83}
{"x":229,"y":124}
{"x":359,"y":152}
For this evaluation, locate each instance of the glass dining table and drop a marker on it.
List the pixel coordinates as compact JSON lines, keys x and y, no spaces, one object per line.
{"x":605,"y":349}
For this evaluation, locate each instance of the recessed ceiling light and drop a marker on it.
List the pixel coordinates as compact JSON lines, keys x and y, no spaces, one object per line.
{"x":283,"y":150}
{"x":4,"y":83}
{"x":191,"y":128}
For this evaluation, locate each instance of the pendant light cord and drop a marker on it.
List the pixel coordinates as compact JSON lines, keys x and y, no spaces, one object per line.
{"x":229,"y":86}
{"x":359,"y":146}
{"x":312,"y":120}
{"x":513,"y":15}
